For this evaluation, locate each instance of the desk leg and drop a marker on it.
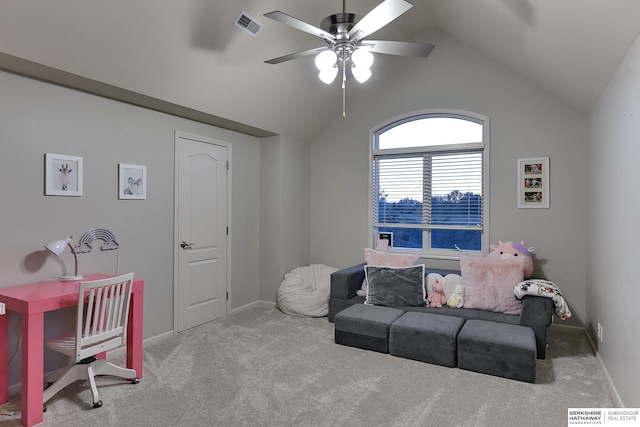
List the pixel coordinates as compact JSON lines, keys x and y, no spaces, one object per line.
{"x":32,"y":368}
{"x":4,"y":360}
{"x":135,"y":333}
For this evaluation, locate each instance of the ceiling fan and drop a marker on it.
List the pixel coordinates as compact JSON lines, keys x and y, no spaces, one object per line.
{"x":346,"y":44}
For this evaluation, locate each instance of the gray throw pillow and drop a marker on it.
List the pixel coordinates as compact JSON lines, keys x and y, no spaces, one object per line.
{"x":396,"y":286}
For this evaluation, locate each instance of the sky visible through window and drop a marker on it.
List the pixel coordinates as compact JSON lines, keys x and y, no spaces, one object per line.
{"x":429,"y":132}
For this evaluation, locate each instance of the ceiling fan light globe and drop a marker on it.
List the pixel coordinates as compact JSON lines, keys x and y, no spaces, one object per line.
{"x":328,"y":75}
{"x":325,"y":60}
{"x":362,"y":58}
{"x":362,"y":74}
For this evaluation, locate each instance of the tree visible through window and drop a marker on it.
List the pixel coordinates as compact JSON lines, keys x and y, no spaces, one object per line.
{"x":428,"y":180}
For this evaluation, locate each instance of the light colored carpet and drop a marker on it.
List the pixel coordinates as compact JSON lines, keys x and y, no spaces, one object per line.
{"x":264,"y":368}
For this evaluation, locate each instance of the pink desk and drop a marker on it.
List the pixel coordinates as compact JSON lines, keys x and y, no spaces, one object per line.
{"x":32,"y":301}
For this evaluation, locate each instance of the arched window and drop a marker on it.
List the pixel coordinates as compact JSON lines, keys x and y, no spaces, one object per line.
{"x":428,"y":178}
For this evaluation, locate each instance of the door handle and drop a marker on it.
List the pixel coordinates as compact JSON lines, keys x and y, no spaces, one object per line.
{"x":185,"y":245}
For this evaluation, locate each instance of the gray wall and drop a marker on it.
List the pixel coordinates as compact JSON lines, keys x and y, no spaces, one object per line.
{"x":284,"y":211}
{"x":36,"y":118}
{"x":613,"y":174}
{"x":525,"y":122}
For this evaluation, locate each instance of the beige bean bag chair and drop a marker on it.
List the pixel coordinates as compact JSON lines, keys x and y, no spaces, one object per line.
{"x":304,"y":292}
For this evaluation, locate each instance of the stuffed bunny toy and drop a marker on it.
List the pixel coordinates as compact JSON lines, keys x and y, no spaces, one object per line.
{"x":436,"y":299}
{"x":456,"y":300}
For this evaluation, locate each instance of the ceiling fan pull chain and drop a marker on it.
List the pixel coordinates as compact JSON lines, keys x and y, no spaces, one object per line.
{"x":344,"y":102}
{"x":344,"y":89}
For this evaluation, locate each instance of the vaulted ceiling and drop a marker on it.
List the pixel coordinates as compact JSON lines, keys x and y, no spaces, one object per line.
{"x":188,"y":58}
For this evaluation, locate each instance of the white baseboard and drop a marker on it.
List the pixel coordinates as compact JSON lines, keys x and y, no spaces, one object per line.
{"x":157,"y":339}
{"x":243,"y":308}
{"x":612,"y":386}
{"x":614,"y":390}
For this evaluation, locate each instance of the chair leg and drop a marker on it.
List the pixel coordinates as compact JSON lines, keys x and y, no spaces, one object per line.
{"x":102,"y":367}
{"x":88,"y":371}
{"x":53,"y":376}
{"x":91,"y":372}
{"x":73,"y":374}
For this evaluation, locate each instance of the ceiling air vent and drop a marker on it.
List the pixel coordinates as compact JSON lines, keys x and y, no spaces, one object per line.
{"x":248,"y":24}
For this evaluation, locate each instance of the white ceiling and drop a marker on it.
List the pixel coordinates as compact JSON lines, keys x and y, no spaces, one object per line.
{"x":189,"y":53}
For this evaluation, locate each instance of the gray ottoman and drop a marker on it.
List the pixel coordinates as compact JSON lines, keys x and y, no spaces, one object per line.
{"x":426,"y":337}
{"x":499,"y":349}
{"x":365,"y":326}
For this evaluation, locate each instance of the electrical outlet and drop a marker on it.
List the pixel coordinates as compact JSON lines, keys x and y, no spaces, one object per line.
{"x":2,"y":309}
{"x":600,"y":331}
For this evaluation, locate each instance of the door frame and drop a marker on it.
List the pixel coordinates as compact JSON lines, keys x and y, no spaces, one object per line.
{"x":176,"y":238}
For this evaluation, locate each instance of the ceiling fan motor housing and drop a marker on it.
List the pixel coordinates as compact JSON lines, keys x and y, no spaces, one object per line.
{"x":339,"y":24}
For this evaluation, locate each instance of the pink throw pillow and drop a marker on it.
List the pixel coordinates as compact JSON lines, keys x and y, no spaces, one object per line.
{"x":386,"y":259}
{"x":488,"y":283}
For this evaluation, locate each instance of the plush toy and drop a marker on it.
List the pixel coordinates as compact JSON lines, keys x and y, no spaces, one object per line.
{"x":436,"y":299}
{"x":456,"y":300}
{"x":508,"y":250}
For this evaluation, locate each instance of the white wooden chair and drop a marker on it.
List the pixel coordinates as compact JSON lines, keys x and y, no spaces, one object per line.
{"x":101,"y":325}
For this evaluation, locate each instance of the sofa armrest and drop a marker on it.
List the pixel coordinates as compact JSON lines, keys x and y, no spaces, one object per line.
{"x":536,"y":311}
{"x":346,"y":282}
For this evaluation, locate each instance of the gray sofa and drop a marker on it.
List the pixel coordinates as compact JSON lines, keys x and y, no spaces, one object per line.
{"x":536,"y":311}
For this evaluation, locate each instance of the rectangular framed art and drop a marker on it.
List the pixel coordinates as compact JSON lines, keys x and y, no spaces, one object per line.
{"x":533,"y":183}
{"x":132,"y":182}
{"x":63,"y":175}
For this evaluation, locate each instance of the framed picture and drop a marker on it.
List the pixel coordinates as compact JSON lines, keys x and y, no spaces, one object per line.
{"x":62,"y":175}
{"x":132,"y":183}
{"x":533,"y":183}
{"x":385,"y":240}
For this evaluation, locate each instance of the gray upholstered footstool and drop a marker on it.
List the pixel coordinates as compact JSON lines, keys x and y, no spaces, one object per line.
{"x":425,"y":337}
{"x":499,"y":349}
{"x":365,"y":326}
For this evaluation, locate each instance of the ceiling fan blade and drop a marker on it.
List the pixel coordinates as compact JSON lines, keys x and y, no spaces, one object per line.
{"x":398,"y":48}
{"x":384,"y":13}
{"x":295,"y":55}
{"x":283,"y":18}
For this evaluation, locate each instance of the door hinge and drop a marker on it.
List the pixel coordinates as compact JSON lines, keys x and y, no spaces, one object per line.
{"x":227,"y":296}
{"x":227,"y":164}
{"x":227,"y":230}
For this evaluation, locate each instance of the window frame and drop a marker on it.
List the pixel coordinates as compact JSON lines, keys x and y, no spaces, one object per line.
{"x":428,"y":252}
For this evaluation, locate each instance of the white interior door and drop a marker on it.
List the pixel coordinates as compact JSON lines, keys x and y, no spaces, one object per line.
{"x":201,"y":230}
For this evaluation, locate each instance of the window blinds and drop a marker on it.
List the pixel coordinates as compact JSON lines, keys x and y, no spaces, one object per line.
{"x":433,"y":189}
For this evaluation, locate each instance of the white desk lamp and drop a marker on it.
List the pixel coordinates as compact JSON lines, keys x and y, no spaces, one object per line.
{"x":57,"y":247}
